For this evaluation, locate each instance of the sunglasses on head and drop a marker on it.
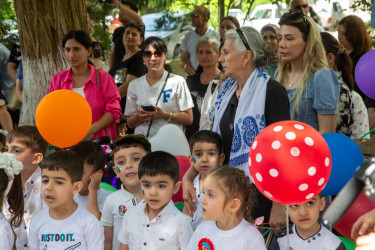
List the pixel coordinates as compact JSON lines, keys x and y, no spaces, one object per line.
{"x":156,"y":54}
{"x":195,"y":15}
{"x":299,"y":7}
{"x":293,"y":17}
{"x":243,"y":39}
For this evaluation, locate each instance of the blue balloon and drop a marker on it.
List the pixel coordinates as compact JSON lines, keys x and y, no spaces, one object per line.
{"x":346,"y":157}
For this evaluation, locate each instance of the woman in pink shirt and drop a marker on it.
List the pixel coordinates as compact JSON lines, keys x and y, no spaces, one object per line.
{"x":103,"y":97}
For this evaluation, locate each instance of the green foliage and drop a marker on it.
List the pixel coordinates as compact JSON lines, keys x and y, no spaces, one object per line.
{"x":8,"y":23}
{"x":363,"y":5}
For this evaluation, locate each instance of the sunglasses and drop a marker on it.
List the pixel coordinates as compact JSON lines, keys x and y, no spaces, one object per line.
{"x":293,"y":17}
{"x":136,"y":24}
{"x":194,"y":15}
{"x":244,"y":41}
{"x":157,"y":54}
{"x":299,"y":7}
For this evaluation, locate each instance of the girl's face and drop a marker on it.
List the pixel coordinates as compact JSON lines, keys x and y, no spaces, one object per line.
{"x":207,"y":55}
{"x":214,"y":200}
{"x":226,"y":25}
{"x":270,"y":39}
{"x":291,"y":44}
{"x":342,"y":38}
{"x":132,"y":37}
{"x":154,"y":60}
{"x":76,"y":54}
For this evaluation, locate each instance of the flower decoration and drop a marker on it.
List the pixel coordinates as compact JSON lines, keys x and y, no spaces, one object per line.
{"x":10,"y":165}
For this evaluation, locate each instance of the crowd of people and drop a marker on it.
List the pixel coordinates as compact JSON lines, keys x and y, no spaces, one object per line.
{"x":238,"y":81}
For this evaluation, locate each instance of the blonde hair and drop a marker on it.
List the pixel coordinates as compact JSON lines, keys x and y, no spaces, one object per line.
{"x":314,"y":57}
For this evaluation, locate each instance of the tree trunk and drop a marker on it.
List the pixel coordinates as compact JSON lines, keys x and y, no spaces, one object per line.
{"x":42,"y":25}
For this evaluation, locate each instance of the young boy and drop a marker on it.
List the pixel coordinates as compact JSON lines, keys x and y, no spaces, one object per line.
{"x":91,"y":196}
{"x":156,"y":223}
{"x":306,"y":232}
{"x":205,"y":148}
{"x":29,"y":147}
{"x":127,"y":153}
{"x":64,"y":224}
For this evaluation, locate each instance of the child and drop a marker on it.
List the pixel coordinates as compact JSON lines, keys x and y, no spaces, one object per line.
{"x":128,"y":152}
{"x":156,"y":223}
{"x":205,"y":148}
{"x":29,"y":147}
{"x":306,"y":232}
{"x":226,"y":204}
{"x":9,"y":169}
{"x":64,"y":224}
{"x":91,"y":196}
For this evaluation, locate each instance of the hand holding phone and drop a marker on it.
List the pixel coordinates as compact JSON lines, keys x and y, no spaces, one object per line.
{"x":149,"y":108}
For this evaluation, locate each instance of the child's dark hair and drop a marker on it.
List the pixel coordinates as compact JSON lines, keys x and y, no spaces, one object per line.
{"x":91,"y":153}
{"x":157,"y":163}
{"x":66,"y":160}
{"x":30,"y":137}
{"x":206,"y":136}
{"x":131,"y":140}
{"x":14,"y":197}
{"x":235,"y":184}
{"x":2,"y":138}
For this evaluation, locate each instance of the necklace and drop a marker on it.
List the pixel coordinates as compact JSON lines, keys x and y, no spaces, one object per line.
{"x":290,"y":84}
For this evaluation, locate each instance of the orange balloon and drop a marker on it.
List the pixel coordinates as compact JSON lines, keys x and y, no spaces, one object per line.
{"x":63,"y":118}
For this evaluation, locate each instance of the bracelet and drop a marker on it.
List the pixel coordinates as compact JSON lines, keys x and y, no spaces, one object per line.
{"x":174,"y":117}
{"x":170,"y":117}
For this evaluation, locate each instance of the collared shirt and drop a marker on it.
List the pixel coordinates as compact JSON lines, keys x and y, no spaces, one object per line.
{"x":171,"y":229}
{"x":189,"y":44}
{"x":198,"y":217}
{"x":103,"y":100}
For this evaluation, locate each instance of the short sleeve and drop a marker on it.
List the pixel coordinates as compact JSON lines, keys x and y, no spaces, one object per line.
{"x":131,"y":99}
{"x":123,"y":235}
{"x":325,"y":91}
{"x":185,"y":101}
{"x":19,"y":74}
{"x":277,"y":103}
{"x":107,"y":216}
{"x":185,"y":231}
{"x":137,"y":67}
{"x":184,"y":43}
{"x":94,"y":234}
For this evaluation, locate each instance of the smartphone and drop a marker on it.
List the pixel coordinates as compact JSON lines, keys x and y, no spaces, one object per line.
{"x":105,"y":1}
{"x":148,"y":108}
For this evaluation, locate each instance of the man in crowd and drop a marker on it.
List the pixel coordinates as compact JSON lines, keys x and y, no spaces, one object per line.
{"x":302,"y":6}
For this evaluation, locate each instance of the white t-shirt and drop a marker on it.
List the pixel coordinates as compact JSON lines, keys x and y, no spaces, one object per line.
{"x":170,"y":230}
{"x":81,"y":230}
{"x":208,"y":106}
{"x":198,"y":217}
{"x":175,"y":98}
{"x":115,"y":207}
{"x":243,"y":236}
{"x":102,"y":195}
{"x":322,"y":240}
{"x":6,"y":233}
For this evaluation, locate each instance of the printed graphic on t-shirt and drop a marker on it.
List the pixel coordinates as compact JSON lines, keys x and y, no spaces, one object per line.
{"x":205,"y":244}
{"x":121,"y":210}
{"x":60,"y":238}
{"x":166,"y":94}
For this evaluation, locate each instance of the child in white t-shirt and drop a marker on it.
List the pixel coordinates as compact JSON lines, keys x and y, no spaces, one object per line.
{"x":91,"y":196}
{"x":306,"y":232}
{"x":205,"y":148}
{"x":226,"y":204}
{"x":156,"y":223}
{"x":127,"y":153}
{"x":64,"y":224}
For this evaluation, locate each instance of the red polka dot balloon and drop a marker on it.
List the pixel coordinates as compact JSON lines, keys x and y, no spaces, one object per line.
{"x":290,"y":162}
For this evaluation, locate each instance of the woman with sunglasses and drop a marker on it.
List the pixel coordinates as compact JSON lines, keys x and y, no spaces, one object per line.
{"x":103,"y":96}
{"x":313,"y":88}
{"x":247,"y":102}
{"x":159,"y":97}
{"x":131,"y":67}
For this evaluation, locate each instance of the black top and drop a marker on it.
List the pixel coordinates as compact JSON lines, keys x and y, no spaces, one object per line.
{"x":119,"y":52}
{"x":15,"y":54}
{"x":134,"y":66}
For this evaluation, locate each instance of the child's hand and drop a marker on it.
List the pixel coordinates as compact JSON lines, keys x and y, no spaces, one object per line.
{"x":366,"y":242}
{"x":95,"y":180}
{"x":122,"y":129}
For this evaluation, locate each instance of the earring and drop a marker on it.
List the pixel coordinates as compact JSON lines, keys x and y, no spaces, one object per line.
{"x":243,"y":65}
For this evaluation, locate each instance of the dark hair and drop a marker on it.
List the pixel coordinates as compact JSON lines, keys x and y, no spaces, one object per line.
{"x":235,"y":184}
{"x":342,"y":60}
{"x":80,"y":36}
{"x":66,"y":160}
{"x":297,"y":20}
{"x":132,"y":140}
{"x":157,"y":163}
{"x":137,"y":26}
{"x":206,"y":136}
{"x":14,"y":197}
{"x":269,"y":27}
{"x":232,"y":19}
{"x":2,"y":138}
{"x":131,"y":5}
{"x":356,"y":34}
{"x":155,"y":42}
{"x":30,"y":137}
{"x":91,"y":153}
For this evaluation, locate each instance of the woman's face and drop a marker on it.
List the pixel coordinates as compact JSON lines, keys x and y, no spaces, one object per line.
{"x":154,"y":62}
{"x":342,"y":38}
{"x":230,"y":59}
{"x":225,"y":26}
{"x":207,"y":55}
{"x":76,"y":53}
{"x":291,"y":44}
{"x":270,"y":39}
{"x":132,"y":37}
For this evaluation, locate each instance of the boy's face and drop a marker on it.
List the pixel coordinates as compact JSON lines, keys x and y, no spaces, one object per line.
{"x":207,"y":157}
{"x":88,"y":170}
{"x":58,"y":189}
{"x":305,"y":216}
{"x":127,"y":159}
{"x":158,"y":191}
{"x":23,"y":154}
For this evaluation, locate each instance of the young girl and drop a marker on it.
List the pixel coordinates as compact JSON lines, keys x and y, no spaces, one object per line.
{"x":9,"y":169}
{"x":226,"y":209}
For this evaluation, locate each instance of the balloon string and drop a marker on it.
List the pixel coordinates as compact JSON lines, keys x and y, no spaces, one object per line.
{"x":367,"y":133}
{"x":287,"y":226}
{"x":267,"y":232}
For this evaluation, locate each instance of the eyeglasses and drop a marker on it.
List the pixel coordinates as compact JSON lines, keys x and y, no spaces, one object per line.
{"x":294,"y":17}
{"x":299,"y":7}
{"x":157,"y":54}
{"x":244,"y":41}
{"x":194,"y":15}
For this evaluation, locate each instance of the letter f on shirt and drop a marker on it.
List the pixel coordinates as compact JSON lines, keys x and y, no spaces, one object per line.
{"x":166,"y":95}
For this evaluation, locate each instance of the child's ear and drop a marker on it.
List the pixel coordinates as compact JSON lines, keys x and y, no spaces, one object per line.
{"x":115,"y":170}
{"x":38,"y":157}
{"x":77,"y":186}
{"x":176,"y":187}
{"x":284,"y":208}
{"x":322,"y":204}
{"x":234,"y":205}
{"x":221,"y":159}
{"x":191,"y":160}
